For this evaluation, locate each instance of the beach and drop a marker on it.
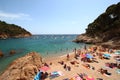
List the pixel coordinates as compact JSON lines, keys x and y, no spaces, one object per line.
{"x":78,"y":68}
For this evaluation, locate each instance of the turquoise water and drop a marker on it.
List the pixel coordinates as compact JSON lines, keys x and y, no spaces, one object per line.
{"x":46,"y":45}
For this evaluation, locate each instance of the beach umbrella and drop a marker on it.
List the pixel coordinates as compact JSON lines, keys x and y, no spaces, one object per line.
{"x":89,"y":56}
{"x":44,"y":68}
{"x":89,"y":78}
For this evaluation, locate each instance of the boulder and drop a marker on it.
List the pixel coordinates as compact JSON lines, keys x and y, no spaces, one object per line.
{"x":12,"y":52}
{"x":24,"y":68}
{"x":1,"y":54}
{"x":86,"y":39}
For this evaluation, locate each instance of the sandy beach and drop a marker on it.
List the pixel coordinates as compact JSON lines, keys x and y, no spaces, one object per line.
{"x":78,"y":68}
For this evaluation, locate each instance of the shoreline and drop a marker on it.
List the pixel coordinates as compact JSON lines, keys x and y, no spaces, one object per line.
{"x":57,"y":58}
{"x":78,"y":68}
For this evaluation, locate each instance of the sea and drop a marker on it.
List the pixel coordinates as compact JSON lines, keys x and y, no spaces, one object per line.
{"x":45,"y":45}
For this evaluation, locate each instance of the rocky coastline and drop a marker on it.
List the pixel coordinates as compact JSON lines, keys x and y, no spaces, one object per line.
{"x":5,"y":36}
{"x":24,"y":68}
{"x":104,"y":30}
{"x":12,"y":31}
{"x":113,"y":43}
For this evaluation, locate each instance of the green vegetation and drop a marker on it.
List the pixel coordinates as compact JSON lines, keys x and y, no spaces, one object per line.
{"x":11,"y":30}
{"x":107,"y":25}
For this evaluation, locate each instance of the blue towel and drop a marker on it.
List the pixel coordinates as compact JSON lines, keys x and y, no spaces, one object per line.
{"x":37,"y":77}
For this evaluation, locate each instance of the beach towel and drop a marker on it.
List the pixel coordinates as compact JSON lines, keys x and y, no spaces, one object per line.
{"x":66,"y":79}
{"x":44,"y":68}
{"x":55,"y":74}
{"x":77,"y":78}
{"x":89,"y":56}
{"x":37,"y":77}
{"x":117,"y":52}
{"x":89,"y":78}
{"x":106,"y":55}
{"x":106,"y":75}
{"x":118,"y":71}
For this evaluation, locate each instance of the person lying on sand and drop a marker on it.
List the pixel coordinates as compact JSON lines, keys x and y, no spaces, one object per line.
{"x":104,"y":72}
{"x":61,"y":62}
{"x":74,"y":62}
{"x":88,"y":66}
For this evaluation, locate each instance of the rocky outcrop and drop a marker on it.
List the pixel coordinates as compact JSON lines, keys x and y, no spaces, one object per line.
{"x":1,"y":54}
{"x":22,"y":35}
{"x":86,"y":39}
{"x":12,"y":52}
{"x":24,"y":68}
{"x":105,"y":30}
{"x":112,"y":43}
{"x":12,"y":31}
{"x":5,"y":36}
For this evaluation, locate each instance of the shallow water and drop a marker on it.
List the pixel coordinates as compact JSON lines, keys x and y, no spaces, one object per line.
{"x":46,"y":45}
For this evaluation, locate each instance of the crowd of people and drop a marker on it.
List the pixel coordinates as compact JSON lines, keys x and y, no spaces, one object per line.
{"x":80,"y":55}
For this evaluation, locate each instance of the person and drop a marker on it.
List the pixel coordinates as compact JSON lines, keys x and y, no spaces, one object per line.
{"x":103,"y":71}
{"x":69,"y":68}
{"x":61,"y":62}
{"x":85,"y":47}
{"x":46,"y":74}
{"x":68,"y":56}
{"x":50,"y":63}
{"x":75,"y":50}
{"x":65,"y":66}
{"x":45,"y":64}
{"x":42,"y":77}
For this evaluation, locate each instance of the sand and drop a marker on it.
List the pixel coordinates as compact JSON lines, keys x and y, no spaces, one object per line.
{"x":79,"y":68}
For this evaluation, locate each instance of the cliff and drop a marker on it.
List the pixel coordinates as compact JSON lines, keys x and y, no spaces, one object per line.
{"x":12,"y":31}
{"x":105,"y":30}
{"x":23,"y":68}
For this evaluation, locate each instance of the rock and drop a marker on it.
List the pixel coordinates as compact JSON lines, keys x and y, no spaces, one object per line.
{"x":12,"y":52}
{"x":1,"y":54}
{"x":22,"y":35}
{"x":104,"y":30}
{"x":24,"y":68}
{"x":86,"y":39}
{"x":112,"y":43}
{"x":3,"y":36}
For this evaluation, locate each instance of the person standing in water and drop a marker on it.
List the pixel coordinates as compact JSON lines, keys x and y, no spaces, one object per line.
{"x":75,"y":50}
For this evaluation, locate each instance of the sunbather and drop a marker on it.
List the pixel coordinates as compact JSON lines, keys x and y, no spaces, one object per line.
{"x":104,"y":72}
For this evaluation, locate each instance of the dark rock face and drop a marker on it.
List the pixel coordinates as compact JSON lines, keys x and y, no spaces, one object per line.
{"x":1,"y":54}
{"x":23,"y":68}
{"x":12,"y":52}
{"x":86,"y":39}
{"x":105,"y":30}
{"x":113,"y":43}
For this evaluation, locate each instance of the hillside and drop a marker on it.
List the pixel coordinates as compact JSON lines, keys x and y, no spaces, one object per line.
{"x":105,"y":29}
{"x":12,"y":31}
